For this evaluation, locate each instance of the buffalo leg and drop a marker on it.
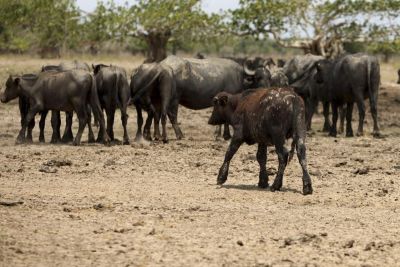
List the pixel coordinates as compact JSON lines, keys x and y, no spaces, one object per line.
{"x":110,"y":121}
{"x":262,"y":161}
{"x":327,"y":125}
{"x":42,"y":124}
{"x":374,"y":112}
{"x":91,"y":138}
{"x":333,"y":130}
{"x":29,"y":117}
{"x":361,"y":114}
{"x":68,"y":135}
{"x":234,"y":145}
{"x":173,"y":117}
{"x":342,"y":116}
{"x":217,"y":132}
{"x":55,"y":124}
{"x":82,"y":117}
{"x":283,"y":156}
{"x":301,"y":155}
{"x":349,"y":115}
{"x":157,"y":134}
{"x":227,"y":134}
{"x":124,"y":121}
{"x":139,"y":122}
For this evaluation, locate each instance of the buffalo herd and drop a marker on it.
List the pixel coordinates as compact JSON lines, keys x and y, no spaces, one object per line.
{"x":264,"y":102}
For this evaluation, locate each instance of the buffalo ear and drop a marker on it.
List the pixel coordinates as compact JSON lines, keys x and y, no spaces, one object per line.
{"x":16,"y":81}
{"x":223,"y":100}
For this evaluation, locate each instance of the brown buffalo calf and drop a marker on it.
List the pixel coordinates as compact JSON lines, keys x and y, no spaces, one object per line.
{"x":266,"y":117}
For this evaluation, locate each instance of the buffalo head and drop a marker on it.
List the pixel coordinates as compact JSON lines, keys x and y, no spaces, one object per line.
{"x":221,"y":109}
{"x":12,"y":89}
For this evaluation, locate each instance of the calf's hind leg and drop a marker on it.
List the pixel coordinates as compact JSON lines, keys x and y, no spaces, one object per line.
{"x":283,"y":156}
{"x":262,"y":161}
{"x":301,"y":155}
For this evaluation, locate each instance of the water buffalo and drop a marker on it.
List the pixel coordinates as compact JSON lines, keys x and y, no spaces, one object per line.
{"x":113,"y":89}
{"x":266,"y":117}
{"x":66,"y":91}
{"x":301,"y":71}
{"x":190,"y":82}
{"x":349,"y":79}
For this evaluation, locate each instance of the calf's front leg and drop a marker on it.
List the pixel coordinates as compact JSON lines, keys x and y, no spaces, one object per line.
{"x":236,"y":142}
{"x":262,"y":161}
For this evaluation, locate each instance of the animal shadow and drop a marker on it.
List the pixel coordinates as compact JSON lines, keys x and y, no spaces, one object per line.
{"x":252,"y":187}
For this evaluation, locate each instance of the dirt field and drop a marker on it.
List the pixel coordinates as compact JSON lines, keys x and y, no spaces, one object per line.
{"x":158,"y":204}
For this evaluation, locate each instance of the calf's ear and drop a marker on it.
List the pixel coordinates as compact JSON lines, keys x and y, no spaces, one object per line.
{"x":223,"y":100}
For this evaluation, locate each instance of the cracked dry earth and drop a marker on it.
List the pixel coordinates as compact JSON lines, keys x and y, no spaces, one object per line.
{"x":155,"y":204}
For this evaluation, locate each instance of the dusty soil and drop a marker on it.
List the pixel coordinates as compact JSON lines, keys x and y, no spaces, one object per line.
{"x":155,"y":204}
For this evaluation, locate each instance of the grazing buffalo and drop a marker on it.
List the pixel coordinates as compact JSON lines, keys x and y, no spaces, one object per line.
{"x":113,"y":90}
{"x":266,"y":117}
{"x":349,"y":79}
{"x":66,"y":91}
{"x":190,"y":82}
{"x":301,"y":71}
{"x":398,"y":73}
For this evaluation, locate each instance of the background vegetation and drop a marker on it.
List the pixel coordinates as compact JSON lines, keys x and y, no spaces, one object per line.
{"x":52,"y":28}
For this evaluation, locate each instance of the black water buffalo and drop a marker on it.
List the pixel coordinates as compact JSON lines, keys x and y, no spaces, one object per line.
{"x":55,"y":115}
{"x":266,"y":117}
{"x":190,"y":82}
{"x":301,"y":71}
{"x":66,"y":91}
{"x":349,"y":79}
{"x":398,"y":73}
{"x":114,"y":91}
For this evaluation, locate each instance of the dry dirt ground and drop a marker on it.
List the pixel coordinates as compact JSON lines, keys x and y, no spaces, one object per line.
{"x":158,"y":204}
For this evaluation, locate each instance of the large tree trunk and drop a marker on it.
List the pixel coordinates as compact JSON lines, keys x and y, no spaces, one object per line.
{"x":157,"y":42}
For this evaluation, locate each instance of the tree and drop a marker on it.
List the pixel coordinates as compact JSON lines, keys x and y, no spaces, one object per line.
{"x":317,"y":27}
{"x":49,"y":25}
{"x":161,"y":21}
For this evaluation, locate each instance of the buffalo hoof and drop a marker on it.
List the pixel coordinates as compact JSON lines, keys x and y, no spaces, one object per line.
{"x":126,"y":142}
{"x":332,"y":134}
{"x":360,"y":133}
{"x":263,"y":184}
{"x":349,"y":134}
{"x":377,"y":134}
{"x":307,"y":190}
{"x":227,"y":137}
{"x":67,"y":140}
{"x":20,"y":140}
{"x":91,"y":140}
{"x":326,"y":128}
{"x":28,"y":140}
{"x":55,"y":141}
{"x":41,"y":139}
{"x":276,"y":187}
{"x":76,"y":143}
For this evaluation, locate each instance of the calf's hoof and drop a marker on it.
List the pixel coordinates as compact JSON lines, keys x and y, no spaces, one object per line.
{"x":76,"y":143}
{"x":359,"y":133}
{"x":332,"y":134}
{"x":20,"y":140}
{"x":326,"y":128}
{"x":41,"y":140}
{"x":126,"y":142}
{"x":165,"y":140}
{"x":307,"y":190}
{"x":349,"y":134}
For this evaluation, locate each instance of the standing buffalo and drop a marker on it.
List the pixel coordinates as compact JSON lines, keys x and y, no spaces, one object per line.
{"x":66,"y":91}
{"x":113,"y":90}
{"x":190,"y":82}
{"x":266,"y":117}
{"x":301,"y":71}
{"x":349,"y":79}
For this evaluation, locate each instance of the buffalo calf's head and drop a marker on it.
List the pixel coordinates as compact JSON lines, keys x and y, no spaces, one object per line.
{"x":12,"y":89}
{"x":221,"y":109}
